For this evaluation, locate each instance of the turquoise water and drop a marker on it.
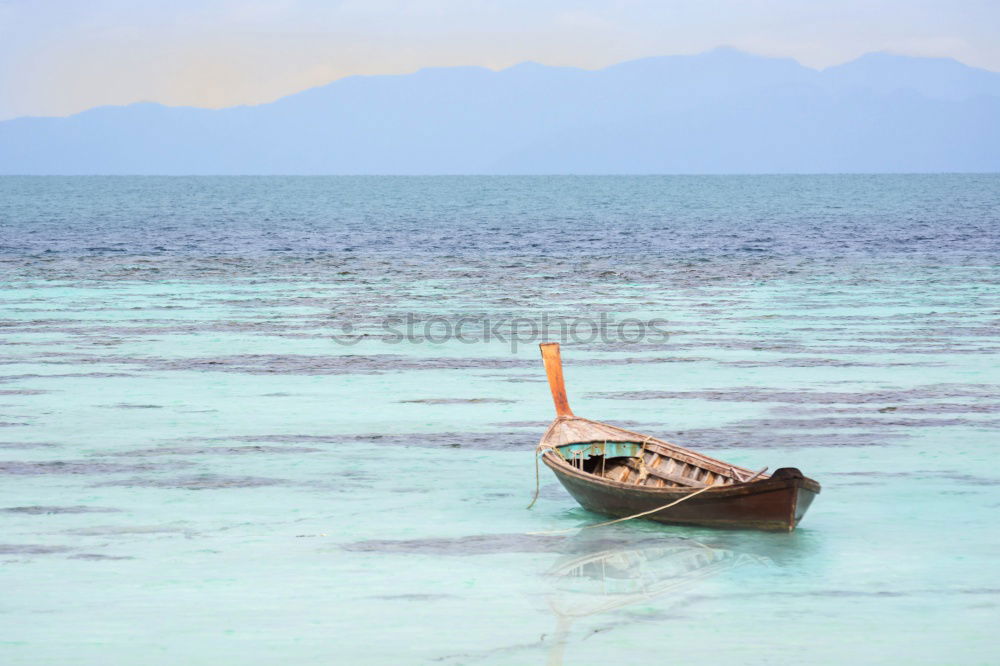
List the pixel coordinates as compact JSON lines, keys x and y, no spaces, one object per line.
{"x":194,"y":470}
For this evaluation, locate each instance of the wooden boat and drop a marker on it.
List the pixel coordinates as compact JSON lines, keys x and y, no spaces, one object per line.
{"x":617,"y":472}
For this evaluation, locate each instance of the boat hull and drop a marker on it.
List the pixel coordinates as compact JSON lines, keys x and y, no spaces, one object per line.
{"x":777,"y":503}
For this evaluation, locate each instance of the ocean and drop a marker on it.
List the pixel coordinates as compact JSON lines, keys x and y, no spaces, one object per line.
{"x":264,"y":420}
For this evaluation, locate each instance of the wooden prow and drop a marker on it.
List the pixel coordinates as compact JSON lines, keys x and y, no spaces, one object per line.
{"x":553,"y":368}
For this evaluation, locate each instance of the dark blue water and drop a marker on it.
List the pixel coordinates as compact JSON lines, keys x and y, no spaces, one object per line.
{"x":946,"y":218}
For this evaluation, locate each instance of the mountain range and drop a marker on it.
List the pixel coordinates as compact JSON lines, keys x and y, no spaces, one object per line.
{"x":723,"y":111}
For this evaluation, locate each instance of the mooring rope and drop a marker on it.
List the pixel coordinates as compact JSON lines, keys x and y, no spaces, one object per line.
{"x":621,"y":520}
{"x":539,"y":452}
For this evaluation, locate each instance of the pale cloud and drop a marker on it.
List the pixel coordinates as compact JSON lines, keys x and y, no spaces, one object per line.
{"x":63,"y":56}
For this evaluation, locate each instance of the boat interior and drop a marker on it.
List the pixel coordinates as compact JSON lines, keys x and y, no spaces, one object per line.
{"x":651,"y":464}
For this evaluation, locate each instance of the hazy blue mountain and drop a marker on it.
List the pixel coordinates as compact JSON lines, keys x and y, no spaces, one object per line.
{"x":943,"y":78}
{"x":718,"y":112}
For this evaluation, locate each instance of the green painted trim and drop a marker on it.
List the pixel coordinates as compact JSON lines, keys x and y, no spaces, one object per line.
{"x":588,"y":450}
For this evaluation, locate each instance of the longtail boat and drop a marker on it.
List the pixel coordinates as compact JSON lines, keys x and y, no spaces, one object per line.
{"x":619,"y":473}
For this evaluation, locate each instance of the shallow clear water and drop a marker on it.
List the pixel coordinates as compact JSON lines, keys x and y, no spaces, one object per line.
{"x":193,"y":470}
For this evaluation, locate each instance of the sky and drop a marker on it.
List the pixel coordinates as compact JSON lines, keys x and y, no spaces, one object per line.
{"x":59,"y":57}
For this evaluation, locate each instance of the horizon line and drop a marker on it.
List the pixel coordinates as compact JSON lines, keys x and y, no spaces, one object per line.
{"x":504,"y":175}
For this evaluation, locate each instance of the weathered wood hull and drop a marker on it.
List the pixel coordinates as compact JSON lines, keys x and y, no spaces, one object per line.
{"x":776,"y":503}
{"x":626,"y":474}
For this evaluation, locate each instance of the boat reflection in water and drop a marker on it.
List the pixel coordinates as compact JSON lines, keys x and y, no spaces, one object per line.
{"x":605,"y":574}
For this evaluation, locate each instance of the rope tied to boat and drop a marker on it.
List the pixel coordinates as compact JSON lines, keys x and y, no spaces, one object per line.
{"x":539,"y":452}
{"x":621,"y":520}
